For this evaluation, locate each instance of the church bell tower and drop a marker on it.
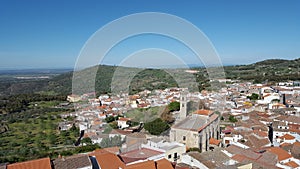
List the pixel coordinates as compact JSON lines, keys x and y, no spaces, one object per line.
{"x":183,"y":104}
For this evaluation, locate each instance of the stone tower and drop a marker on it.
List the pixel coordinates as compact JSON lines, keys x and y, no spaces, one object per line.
{"x":183,"y":104}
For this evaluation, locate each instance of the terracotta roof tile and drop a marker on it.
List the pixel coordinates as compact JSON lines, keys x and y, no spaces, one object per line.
{"x":114,"y":150}
{"x":123,"y":119}
{"x":268,"y":158}
{"x":293,"y":119}
{"x":233,"y":149}
{"x":292,"y":164}
{"x":281,"y":153}
{"x":239,"y":158}
{"x":261,"y":133}
{"x":297,"y":143}
{"x":142,"y":165}
{"x":285,"y":144}
{"x":98,"y":152}
{"x":287,"y":137}
{"x":139,"y":154}
{"x":43,"y":163}
{"x":75,"y":161}
{"x":109,"y":161}
{"x":203,"y":112}
{"x":164,"y":164}
{"x":214,"y":141}
{"x":255,"y":142}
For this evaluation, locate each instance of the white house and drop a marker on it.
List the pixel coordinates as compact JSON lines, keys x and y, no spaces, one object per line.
{"x":268,"y":98}
{"x":123,"y":122}
{"x":173,"y":151}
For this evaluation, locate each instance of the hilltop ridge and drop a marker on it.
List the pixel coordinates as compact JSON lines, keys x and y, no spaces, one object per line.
{"x":271,"y":70}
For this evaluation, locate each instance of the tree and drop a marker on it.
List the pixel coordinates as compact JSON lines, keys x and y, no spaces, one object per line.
{"x":167,"y":116}
{"x":75,"y":131}
{"x":113,"y":125}
{"x":86,"y":141}
{"x":52,"y":138}
{"x":109,"y":119}
{"x":111,"y":141}
{"x":275,"y":101}
{"x":157,"y":126}
{"x":232,"y":119}
{"x":253,"y":96}
{"x":174,"y":106}
{"x":194,"y":149}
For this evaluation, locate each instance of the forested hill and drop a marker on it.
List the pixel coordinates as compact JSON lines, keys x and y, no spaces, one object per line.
{"x":273,"y":70}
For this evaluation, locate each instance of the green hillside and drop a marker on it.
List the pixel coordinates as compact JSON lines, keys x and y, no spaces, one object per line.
{"x":273,"y":70}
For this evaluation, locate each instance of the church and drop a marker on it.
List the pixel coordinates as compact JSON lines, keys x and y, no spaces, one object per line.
{"x":197,"y":129}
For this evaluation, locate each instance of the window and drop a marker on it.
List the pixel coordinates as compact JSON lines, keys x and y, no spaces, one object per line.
{"x":183,"y":138}
{"x":175,"y":155}
{"x":170,"y":156}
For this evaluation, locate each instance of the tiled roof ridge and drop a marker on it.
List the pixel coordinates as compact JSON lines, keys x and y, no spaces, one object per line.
{"x":30,"y":161}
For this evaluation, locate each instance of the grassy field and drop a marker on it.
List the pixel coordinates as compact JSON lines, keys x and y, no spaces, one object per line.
{"x":145,"y":115}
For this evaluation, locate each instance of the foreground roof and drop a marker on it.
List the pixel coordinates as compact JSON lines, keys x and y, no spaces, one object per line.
{"x":139,"y":154}
{"x":109,"y":161}
{"x":76,"y":161}
{"x":43,"y":163}
{"x":142,"y":165}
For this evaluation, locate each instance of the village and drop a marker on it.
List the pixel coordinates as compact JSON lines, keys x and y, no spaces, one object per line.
{"x":242,"y":125}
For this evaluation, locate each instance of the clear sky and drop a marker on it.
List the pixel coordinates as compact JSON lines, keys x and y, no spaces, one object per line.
{"x":50,"y":34}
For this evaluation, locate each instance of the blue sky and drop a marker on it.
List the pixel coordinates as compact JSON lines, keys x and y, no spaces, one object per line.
{"x":50,"y":34}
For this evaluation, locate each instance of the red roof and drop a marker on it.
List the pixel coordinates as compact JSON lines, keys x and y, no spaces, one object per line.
{"x":123,"y":119}
{"x":43,"y":163}
{"x":109,"y":161}
{"x":285,"y":144}
{"x":203,"y":112}
{"x":287,"y":137}
{"x":294,"y":128}
{"x":139,"y":154}
{"x":114,"y":150}
{"x":281,"y":153}
{"x":239,"y":157}
{"x":164,"y":164}
{"x":297,"y":143}
{"x":142,"y":165}
{"x":214,"y":141}
{"x":292,"y":164}
{"x":211,"y":119}
{"x":261,"y":133}
{"x":98,"y":152}
{"x":226,"y":131}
